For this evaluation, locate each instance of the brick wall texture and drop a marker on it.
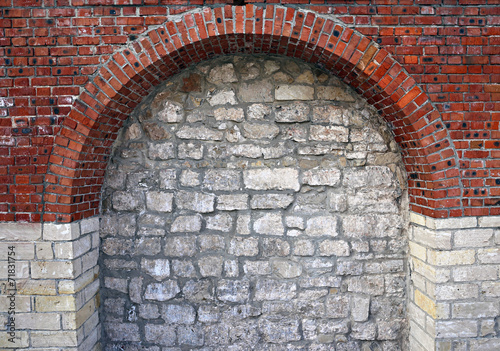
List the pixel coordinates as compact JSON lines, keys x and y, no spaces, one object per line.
{"x":72,"y":71}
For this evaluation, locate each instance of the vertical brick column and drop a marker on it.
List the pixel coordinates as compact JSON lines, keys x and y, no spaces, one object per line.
{"x":56,"y":290}
{"x":455,"y":291}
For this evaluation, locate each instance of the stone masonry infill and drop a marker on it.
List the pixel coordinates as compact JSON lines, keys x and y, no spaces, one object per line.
{"x":455,"y":291}
{"x":254,"y":203}
{"x":56,"y":279}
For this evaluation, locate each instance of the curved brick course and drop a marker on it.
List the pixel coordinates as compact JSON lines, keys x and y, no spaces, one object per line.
{"x":81,"y":150}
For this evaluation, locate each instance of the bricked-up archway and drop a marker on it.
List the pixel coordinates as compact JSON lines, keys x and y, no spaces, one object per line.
{"x":81,"y":150}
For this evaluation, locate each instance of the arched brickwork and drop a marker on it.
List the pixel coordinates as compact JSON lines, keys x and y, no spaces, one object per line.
{"x":81,"y":150}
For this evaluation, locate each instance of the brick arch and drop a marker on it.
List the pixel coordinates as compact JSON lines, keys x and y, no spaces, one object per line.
{"x":81,"y":150}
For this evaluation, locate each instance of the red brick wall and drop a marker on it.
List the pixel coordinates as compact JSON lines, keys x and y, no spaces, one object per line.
{"x":444,"y":57}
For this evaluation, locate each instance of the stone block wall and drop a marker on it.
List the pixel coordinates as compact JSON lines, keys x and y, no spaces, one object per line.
{"x":254,"y":202}
{"x":455,"y":297}
{"x":49,"y":286}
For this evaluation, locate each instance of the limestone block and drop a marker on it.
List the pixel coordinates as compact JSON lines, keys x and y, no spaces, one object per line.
{"x":451,"y":223}
{"x":178,"y":314}
{"x":322,"y":226}
{"x":36,"y":287}
{"x":285,"y":268}
{"x":389,"y":330}
{"x":189,"y":178}
{"x":269,"y":224}
{"x":360,"y":308}
{"x":271,"y":201}
{"x":294,"y":222}
{"x":274,"y":247}
{"x":490,"y":255}
{"x":333,"y":93}
{"x":159,"y":201}
{"x":222,"y":97}
{"x":330,"y":177}
{"x":21,"y":340}
{"x":485,"y":344}
{"x":195,"y":201}
{"x":320,"y":282}
{"x":333,"y":248}
{"x":222,"y":222}
{"x":279,"y":330}
{"x":198,"y":291}
{"x":170,"y":112}
{"x":233,"y":290}
{"x":73,"y":249}
{"x":186,"y":224}
{"x":199,"y":133}
{"x":456,"y":329}
{"x":490,"y":289}
{"x":180,"y":246}
{"x":149,"y":311}
{"x":371,"y":285}
{"x":231,"y":269}
{"x":243,"y":224}
{"x":269,"y":289}
{"x":122,"y":331}
{"x":190,"y":335}
{"x":164,"y":291}
{"x":23,"y":251}
{"x":127,"y":201}
{"x":294,"y":112}
{"x":260,"y":91}
{"x":456,"y":291}
{"x":260,"y":130}
{"x":53,"y":270}
{"x":157,"y":268}
{"x":61,"y":232}
{"x":329,"y":133}
{"x":211,"y":242}
{"x":39,"y":321}
{"x":147,"y":246}
{"x":303,"y":248}
{"x":44,"y":251}
{"x":208,"y":314}
{"x":54,"y":339}
{"x":271,"y":179}
{"x":222,"y":74}
{"x":168,"y":178}
{"x":337,"y":306}
{"x":55,"y":303}
{"x":257,"y":267}
{"x":117,"y":284}
{"x":294,"y":92}
{"x":258,"y":112}
{"x":161,"y":151}
{"x":89,"y":225}
{"x":330,"y":114}
{"x":156,"y":132}
{"x":232,"y":202}
{"x":239,"y":246}
{"x":190,"y":150}
{"x":490,"y":221}
{"x":229,"y":114}
{"x":222,"y":179}
{"x":21,"y":231}
{"x":472,"y":273}
{"x":210,"y":266}
{"x":451,"y":258}
{"x":364,"y":331}
{"x":475,"y":310}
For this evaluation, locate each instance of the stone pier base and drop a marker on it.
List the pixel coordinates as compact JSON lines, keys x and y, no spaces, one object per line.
{"x":455,"y":294}
{"x":53,"y":290}
{"x":454,"y":298}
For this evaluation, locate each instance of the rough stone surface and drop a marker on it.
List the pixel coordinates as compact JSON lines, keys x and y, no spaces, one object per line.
{"x":242,"y":214}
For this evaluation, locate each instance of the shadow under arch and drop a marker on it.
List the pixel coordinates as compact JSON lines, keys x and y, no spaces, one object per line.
{"x":81,"y":150}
